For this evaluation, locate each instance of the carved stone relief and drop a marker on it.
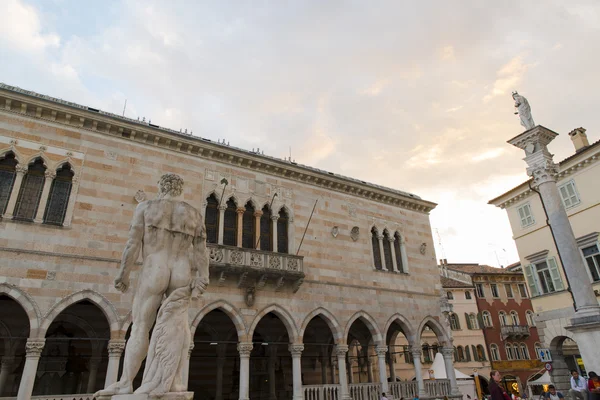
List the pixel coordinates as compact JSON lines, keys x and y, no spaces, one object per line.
{"x":335,"y":231}
{"x":140,"y":196}
{"x":355,"y":233}
{"x":209,"y":175}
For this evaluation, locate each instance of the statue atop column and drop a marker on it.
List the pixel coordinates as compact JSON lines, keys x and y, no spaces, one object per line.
{"x":523,"y":109}
{"x":170,"y":235}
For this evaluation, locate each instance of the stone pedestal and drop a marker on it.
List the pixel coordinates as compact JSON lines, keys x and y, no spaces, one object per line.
{"x":166,"y":396}
{"x":587,"y":336}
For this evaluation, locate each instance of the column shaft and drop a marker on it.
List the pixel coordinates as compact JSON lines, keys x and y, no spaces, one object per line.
{"x":403,"y":256}
{"x":341,"y":350}
{"x":392,"y":364}
{"x":382,"y":254}
{"x":257,"y":216}
{"x":12,"y":201}
{"x":93,"y":373}
{"x":221,"y":223}
{"x":33,"y":351}
{"x":416,"y":353}
{"x":274,"y":219}
{"x":115,"y":350}
{"x":381,"y":352}
{"x":39,"y":216}
{"x":244,"y":348}
{"x":393,"y":248}
{"x":240,"y":221}
{"x":296,"y":350}
{"x":447,"y":353}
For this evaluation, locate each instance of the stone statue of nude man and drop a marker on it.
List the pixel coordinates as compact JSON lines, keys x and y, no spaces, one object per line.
{"x":170,"y":234}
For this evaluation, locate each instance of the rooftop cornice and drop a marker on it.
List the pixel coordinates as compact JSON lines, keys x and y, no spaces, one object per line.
{"x":33,"y":105}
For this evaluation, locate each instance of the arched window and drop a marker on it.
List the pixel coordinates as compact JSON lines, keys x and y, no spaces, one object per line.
{"x":30,"y":191}
{"x":230,"y":224}
{"x":387,"y":251}
{"x":461,"y":353}
{"x":8,"y":166}
{"x":487,"y":319}
{"x":375,"y":245}
{"x":455,"y":354}
{"x":473,"y":321}
{"x":426,"y":353}
{"x":524,"y":352}
{"x":248,"y":227}
{"x":454,"y":322}
{"x":509,"y":351}
{"x":537,"y":348}
{"x":266,"y":231}
{"x":449,"y":295}
{"x":502,"y":316}
{"x":475,"y":354}
{"x":495,"y":354}
{"x":480,"y":353}
{"x":58,"y":199}
{"x":467,"y":353}
{"x":468,"y":295}
{"x":282,"y":232}
{"x":530,"y":318}
{"x":211,"y":219}
{"x":398,"y":250}
{"x":514,"y":318}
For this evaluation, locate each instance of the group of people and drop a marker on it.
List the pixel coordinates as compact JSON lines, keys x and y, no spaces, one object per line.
{"x":581,"y":389}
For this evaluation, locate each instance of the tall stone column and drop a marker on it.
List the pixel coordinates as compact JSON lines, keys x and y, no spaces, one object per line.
{"x":186,"y":372}
{"x":392,"y":364}
{"x":403,"y":255}
{"x":257,"y":216}
{"x":341,"y":350}
{"x":115,"y":350}
{"x":271,"y":371}
{"x":93,"y":373}
{"x":222,"y":209}
{"x":296,"y":350}
{"x":585,"y":324}
{"x":447,"y":352}
{"x":416,"y":354}
{"x":221,"y":349}
{"x":8,"y":364}
{"x":274,"y":219}
{"x":39,"y":215}
{"x":240,"y":221}
{"x":323,"y":366}
{"x":381,"y":353}
{"x":20,"y":172}
{"x":382,"y":254}
{"x":244,"y":348}
{"x":369,"y":366}
{"x":391,"y":239}
{"x":33,"y":351}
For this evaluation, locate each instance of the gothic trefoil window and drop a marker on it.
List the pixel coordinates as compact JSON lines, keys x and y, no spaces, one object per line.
{"x":8,"y":166}
{"x":375,"y":245}
{"x":266,"y":230}
{"x":282,"y":232}
{"x":58,"y":199}
{"x":30,"y":191}
{"x":230,"y":224}
{"x":211,"y":219}
{"x":248,"y":224}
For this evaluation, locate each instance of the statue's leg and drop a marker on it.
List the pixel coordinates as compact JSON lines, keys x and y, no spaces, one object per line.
{"x":154,"y":281}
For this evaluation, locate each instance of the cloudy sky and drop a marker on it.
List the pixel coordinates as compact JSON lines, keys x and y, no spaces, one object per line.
{"x":411,"y":95}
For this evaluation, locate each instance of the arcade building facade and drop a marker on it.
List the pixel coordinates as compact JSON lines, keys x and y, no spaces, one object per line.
{"x":313,"y":275}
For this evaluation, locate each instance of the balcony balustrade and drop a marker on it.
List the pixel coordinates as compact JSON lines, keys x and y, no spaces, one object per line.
{"x":514,"y":331}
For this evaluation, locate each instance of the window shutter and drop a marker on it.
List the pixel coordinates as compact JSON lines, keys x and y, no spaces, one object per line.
{"x":531,"y":280}
{"x":555,"y":274}
{"x":468,"y":321}
{"x":467,"y":353}
{"x":475,"y":355}
{"x":480,"y":320}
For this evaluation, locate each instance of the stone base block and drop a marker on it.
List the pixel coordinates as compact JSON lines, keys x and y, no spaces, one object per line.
{"x":166,"y":396}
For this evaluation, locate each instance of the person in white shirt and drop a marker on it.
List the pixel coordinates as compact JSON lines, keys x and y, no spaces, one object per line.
{"x":383,"y":396}
{"x":579,"y":387}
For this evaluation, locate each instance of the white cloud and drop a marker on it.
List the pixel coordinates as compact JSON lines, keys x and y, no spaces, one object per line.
{"x":447,"y":53}
{"x":509,"y":77}
{"x":20,"y":28}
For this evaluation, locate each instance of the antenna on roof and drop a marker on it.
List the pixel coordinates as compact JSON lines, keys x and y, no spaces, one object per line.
{"x":124,"y":107}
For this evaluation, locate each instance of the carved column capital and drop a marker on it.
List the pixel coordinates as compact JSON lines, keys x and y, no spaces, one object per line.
{"x":391,"y":239}
{"x":380,"y":237}
{"x":258,"y":214}
{"x":21,"y":169}
{"x":381,"y":351}
{"x":274,"y":217}
{"x":296,"y":349}
{"x":50,"y":174}
{"x":34,"y":347}
{"x":245,"y":348}
{"x":447,"y":352}
{"x":116,"y":347}
{"x":542,"y":172}
{"x":240,"y":210}
{"x":341,"y":349}
{"x":222,"y":207}
{"x":416,"y":351}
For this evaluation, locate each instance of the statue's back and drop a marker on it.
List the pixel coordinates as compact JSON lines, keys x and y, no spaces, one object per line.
{"x":171,"y":215}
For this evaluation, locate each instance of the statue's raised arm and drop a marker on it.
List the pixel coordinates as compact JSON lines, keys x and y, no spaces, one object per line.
{"x":523,"y":109}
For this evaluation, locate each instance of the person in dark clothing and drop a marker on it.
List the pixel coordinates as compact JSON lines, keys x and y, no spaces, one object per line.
{"x":497,"y":392}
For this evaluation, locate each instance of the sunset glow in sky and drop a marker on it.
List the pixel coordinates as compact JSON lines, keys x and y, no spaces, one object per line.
{"x":411,"y":95}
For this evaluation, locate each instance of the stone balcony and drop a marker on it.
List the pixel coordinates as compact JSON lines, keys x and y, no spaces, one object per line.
{"x":255,"y":269}
{"x":515,"y":331}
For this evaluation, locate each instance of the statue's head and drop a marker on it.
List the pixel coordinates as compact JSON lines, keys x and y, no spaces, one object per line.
{"x":515,"y":94}
{"x":170,"y":185}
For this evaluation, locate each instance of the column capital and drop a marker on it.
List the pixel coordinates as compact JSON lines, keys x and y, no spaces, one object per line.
{"x":34,"y":347}
{"x":240,"y":210}
{"x":274,"y":217}
{"x":258,"y":214}
{"x":447,"y":351}
{"x":116,"y":347}
{"x":21,"y":169}
{"x":391,"y":239}
{"x":341,"y":349}
{"x":381,"y":351}
{"x":245,"y":348}
{"x":416,"y":351}
{"x":296,"y":349}
{"x":543,"y":171}
{"x":50,"y":174}
{"x":380,"y":237}
{"x":222,"y":207}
